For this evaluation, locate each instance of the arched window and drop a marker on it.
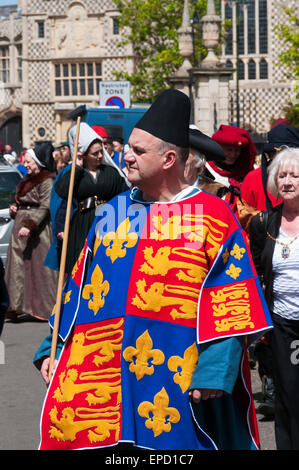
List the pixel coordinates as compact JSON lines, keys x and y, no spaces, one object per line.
{"x":263,"y":27}
{"x":229,"y":36}
{"x":241,"y":70}
{"x":229,"y":65}
{"x":4,"y":64}
{"x":263,"y":69}
{"x":251,"y":27}
{"x":251,"y":70}
{"x":240,"y":37}
{"x":19,"y":62}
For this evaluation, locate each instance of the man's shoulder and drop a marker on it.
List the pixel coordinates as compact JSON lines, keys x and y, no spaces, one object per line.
{"x":214,"y":206}
{"x":253,"y":175}
{"x":212,"y":199}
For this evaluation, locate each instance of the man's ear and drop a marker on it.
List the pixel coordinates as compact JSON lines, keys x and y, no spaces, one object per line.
{"x":169,"y":159}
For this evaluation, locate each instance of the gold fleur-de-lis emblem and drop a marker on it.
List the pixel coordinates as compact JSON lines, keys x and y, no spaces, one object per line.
{"x":65,"y":299}
{"x":237,"y":252}
{"x":96,"y":291}
{"x":77,"y":264}
{"x":118,"y":242}
{"x":225,"y":256}
{"x":96,"y":244}
{"x":184,"y":367}
{"x":143,"y":357}
{"x":233,"y":271}
{"x":159,"y":415}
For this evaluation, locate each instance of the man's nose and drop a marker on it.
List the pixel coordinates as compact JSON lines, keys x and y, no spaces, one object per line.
{"x":129,"y":155}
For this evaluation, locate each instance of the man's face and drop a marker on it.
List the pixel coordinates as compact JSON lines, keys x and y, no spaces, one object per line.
{"x":118,"y":147}
{"x":231,"y":153}
{"x":65,"y":152}
{"x":143,"y":162}
{"x":108,"y":146}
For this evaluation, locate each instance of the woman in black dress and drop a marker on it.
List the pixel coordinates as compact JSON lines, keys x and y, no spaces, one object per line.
{"x":97,"y":180}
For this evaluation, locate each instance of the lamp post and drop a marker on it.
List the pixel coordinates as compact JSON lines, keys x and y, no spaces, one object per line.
{"x":238,"y":3}
{"x":195,"y":21}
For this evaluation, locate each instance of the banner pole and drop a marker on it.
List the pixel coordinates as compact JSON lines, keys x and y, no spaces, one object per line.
{"x":63,"y":254}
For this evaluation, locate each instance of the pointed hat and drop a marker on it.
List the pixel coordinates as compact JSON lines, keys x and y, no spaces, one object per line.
{"x":168,"y":118}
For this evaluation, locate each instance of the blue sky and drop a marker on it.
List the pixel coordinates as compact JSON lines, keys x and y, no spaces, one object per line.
{"x":4,"y":3}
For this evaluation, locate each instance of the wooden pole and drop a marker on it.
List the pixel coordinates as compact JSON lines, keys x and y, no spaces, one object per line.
{"x":63,"y":254}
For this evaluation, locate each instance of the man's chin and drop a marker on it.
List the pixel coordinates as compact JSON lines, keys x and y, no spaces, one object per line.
{"x":132,"y":177}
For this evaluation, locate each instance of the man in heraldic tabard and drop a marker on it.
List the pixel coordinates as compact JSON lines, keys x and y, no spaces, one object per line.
{"x":158,"y":312}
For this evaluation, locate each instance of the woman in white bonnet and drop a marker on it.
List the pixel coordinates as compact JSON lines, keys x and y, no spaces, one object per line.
{"x":97,"y":180}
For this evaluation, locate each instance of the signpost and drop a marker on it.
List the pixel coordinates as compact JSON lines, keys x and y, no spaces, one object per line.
{"x":115,"y":93}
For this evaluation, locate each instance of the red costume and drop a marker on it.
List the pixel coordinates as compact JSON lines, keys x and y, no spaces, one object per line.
{"x":230,"y":135}
{"x":253,"y":191}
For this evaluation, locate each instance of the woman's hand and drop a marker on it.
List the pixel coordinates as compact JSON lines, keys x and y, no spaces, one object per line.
{"x":24,"y":232}
{"x":13,"y":210}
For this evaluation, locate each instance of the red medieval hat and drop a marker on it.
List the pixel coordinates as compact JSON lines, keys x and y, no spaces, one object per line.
{"x":237,"y":137}
{"x":100,"y":131}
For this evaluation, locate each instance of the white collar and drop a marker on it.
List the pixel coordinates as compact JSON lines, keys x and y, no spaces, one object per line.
{"x":136,"y":195}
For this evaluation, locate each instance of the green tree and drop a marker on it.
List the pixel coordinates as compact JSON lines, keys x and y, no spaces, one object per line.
{"x":288,"y":33}
{"x":151,"y":26}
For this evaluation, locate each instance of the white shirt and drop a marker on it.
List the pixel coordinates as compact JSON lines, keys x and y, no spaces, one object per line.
{"x":286,"y":279}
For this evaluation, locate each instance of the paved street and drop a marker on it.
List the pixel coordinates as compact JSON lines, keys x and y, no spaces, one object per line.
{"x":266,"y":427}
{"x":22,"y":390}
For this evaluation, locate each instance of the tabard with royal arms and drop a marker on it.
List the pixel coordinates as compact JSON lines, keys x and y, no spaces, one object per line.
{"x":152,"y":283}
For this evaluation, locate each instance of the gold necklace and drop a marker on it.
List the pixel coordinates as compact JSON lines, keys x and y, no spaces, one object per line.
{"x":286,"y":250}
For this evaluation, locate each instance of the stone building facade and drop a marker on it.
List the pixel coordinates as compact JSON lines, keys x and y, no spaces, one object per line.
{"x":11,"y":92}
{"x":68,"y":47}
{"x":263,"y":86}
{"x":53,"y":53}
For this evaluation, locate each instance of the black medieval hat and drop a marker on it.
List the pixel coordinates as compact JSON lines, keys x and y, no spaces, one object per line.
{"x":44,"y":153}
{"x":205,"y":144}
{"x":281,"y":135}
{"x":168,"y":118}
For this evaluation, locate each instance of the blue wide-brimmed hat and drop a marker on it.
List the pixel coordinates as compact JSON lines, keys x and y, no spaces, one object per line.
{"x":280,"y":136}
